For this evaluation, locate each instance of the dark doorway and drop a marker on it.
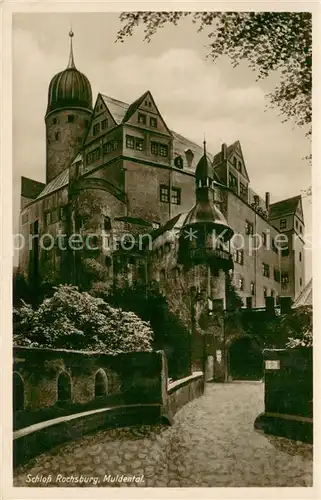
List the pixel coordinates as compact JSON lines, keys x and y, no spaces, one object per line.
{"x":64,"y":387}
{"x":18,"y":393}
{"x":101,"y":385}
{"x":245,"y":360}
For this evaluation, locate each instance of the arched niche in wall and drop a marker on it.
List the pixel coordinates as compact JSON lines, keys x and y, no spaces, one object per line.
{"x":64,"y":387}
{"x":18,"y":392}
{"x":101,"y":383}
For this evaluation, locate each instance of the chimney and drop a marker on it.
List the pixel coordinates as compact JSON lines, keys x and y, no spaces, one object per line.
{"x":286,"y":305}
{"x":256,"y":199}
{"x":269,"y":304}
{"x":249,"y":302}
{"x":267,"y":201}
{"x":224,"y":152}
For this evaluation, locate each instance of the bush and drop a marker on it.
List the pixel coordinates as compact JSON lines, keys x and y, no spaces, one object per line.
{"x":72,"y":319}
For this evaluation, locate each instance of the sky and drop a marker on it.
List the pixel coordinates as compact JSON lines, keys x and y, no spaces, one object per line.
{"x":195,"y":96}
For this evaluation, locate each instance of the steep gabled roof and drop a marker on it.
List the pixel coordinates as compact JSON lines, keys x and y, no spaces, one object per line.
{"x":134,"y":106}
{"x":230,"y":150}
{"x":116,"y":108}
{"x":284,"y":207}
{"x":30,"y":188}
{"x":305,"y":297}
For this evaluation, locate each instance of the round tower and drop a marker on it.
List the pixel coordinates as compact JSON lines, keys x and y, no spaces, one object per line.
{"x":67,"y":117}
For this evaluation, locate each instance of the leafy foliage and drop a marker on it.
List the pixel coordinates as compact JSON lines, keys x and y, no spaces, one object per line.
{"x":299,"y":326}
{"x":170,"y":333}
{"x":72,"y":319}
{"x":269,"y":41}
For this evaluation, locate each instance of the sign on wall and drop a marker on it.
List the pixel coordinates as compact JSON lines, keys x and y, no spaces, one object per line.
{"x":272,"y":364}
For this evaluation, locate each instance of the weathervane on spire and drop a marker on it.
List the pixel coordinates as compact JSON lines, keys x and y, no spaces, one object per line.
{"x":71,"y":63}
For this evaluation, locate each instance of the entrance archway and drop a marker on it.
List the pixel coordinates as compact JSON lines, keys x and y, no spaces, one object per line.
{"x":18,"y":392}
{"x":101,"y":384}
{"x":245,"y":359}
{"x":64,"y":387}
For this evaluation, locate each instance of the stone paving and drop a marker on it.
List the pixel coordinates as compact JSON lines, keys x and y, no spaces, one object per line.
{"x":212,"y":443}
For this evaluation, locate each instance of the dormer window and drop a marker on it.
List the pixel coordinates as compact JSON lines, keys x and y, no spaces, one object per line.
{"x":178,"y":162}
{"x":104,"y":124}
{"x":239,"y":166}
{"x":234,"y":162}
{"x":142,"y":118}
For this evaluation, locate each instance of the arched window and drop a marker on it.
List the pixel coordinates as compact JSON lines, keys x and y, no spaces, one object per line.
{"x":18,"y":392}
{"x":64,"y":387}
{"x":101,"y":384}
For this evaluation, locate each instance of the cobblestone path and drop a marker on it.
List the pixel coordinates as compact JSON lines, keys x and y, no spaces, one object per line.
{"x":212,"y":443}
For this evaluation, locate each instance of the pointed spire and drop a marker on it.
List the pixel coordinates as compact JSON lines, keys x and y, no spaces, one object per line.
{"x":71,"y":63}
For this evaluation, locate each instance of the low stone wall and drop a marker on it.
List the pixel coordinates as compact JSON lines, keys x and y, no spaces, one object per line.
{"x":288,"y":377}
{"x":141,"y":395}
{"x":127,"y":378}
{"x":181,"y":392}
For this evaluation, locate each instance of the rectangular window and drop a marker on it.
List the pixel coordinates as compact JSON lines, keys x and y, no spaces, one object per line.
{"x":61,"y":213}
{"x":243,"y":190}
{"x":265,"y":292}
{"x":264,"y":239}
{"x":285,"y":252}
{"x":163,"y":150}
{"x":47,"y":218}
{"x":139,"y":144}
{"x":130,"y":142}
{"x":282,"y":223}
{"x":238,"y":256}
{"x":109,"y":146}
{"x":252,"y":288}
{"x":104,"y":124}
{"x":54,"y":216}
{"x":96,"y":129}
{"x":300,"y":257}
{"x":71,"y":118}
{"x":176,"y":196}
{"x":276,"y":275}
{"x":241,"y":283}
{"x":93,"y":156}
{"x":266,"y":270}
{"x":154,"y":148}
{"x":153,"y":122}
{"x":142,"y":118}
{"x":232,"y":181}
{"x":164,"y":194}
{"x":248,"y":227}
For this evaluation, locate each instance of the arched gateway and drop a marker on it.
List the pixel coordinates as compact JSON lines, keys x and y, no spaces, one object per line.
{"x":245,"y":359}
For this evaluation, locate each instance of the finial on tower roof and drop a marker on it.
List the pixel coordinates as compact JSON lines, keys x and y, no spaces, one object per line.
{"x":71,"y":63}
{"x":204,"y":145}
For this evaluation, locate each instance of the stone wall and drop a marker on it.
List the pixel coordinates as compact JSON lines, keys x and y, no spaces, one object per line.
{"x":288,"y":393}
{"x":129,"y":378}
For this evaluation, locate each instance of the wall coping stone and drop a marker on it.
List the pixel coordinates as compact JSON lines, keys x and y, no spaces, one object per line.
{"x":66,"y":418}
{"x":172,"y":386}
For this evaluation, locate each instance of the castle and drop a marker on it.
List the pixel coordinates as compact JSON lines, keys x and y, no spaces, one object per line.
{"x":116,"y":172}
